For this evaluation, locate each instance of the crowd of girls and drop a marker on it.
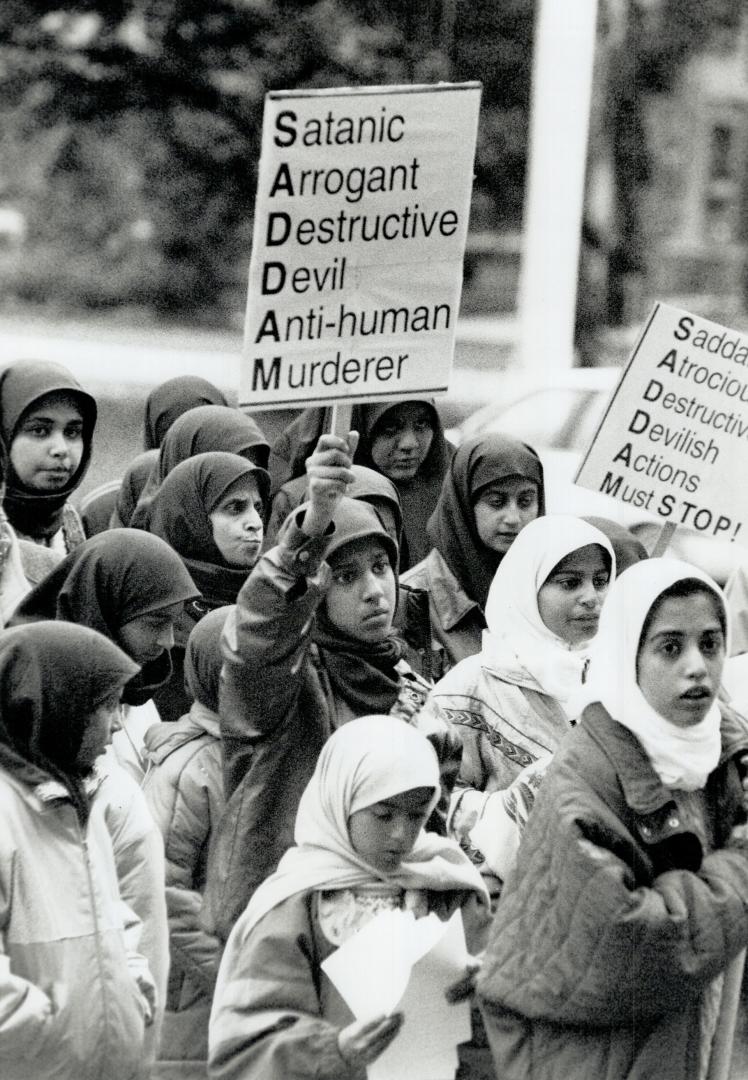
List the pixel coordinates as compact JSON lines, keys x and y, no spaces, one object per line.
{"x":251,"y":697}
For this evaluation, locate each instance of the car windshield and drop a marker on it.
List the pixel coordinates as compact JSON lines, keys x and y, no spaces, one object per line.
{"x":541,"y":418}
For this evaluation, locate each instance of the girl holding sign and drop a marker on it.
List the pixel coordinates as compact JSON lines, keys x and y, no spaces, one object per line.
{"x":360,"y":849}
{"x":309,"y":648}
{"x":617,"y":946}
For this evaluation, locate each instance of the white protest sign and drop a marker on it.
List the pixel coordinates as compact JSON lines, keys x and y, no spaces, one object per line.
{"x":360,"y":225}
{"x":674,"y":439}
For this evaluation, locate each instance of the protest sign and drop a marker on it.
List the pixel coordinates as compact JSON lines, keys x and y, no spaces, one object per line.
{"x":674,"y":439}
{"x":359,"y":234}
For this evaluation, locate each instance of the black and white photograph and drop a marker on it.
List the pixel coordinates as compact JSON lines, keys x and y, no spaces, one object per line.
{"x":373,"y":540}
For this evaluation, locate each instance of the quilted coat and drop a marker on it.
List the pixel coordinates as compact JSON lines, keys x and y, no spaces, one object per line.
{"x":617,"y":943}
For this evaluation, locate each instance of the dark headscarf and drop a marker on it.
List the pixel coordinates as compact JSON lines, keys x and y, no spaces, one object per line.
{"x":417,"y":496}
{"x":171,"y":400}
{"x":109,"y":580}
{"x":52,"y":678}
{"x":36,"y":513}
{"x":203,"y":430}
{"x":362,"y":674}
{"x":180,"y":516}
{"x":628,"y":550}
{"x":451,"y":528}
{"x":367,"y":485}
{"x":137,"y":475}
{"x":203,"y":658}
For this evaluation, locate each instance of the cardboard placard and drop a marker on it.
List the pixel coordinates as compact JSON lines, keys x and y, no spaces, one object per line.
{"x":674,"y":439}
{"x":359,"y":234}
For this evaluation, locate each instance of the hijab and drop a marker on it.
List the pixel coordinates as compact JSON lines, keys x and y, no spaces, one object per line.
{"x":681,"y":757}
{"x":628,"y":549}
{"x":52,"y":678}
{"x":180,"y":516}
{"x":167,"y":402}
{"x":38,"y":514}
{"x":417,"y":497}
{"x":112,"y":578}
{"x":367,"y":485}
{"x":516,"y":634}
{"x":202,"y":430}
{"x":203,"y":658}
{"x":363,"y":762}
{"x":361,"y":673}
{"x":451,"y":528}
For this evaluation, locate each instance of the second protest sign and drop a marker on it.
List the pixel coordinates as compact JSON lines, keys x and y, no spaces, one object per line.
{"x":674,"y":439}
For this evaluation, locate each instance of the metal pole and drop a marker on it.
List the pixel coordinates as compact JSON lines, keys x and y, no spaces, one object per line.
{"x":561,"y":95}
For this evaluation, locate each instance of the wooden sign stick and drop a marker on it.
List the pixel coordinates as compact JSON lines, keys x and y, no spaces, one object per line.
{"x":663,"y":540}
{"x":341,"y":419}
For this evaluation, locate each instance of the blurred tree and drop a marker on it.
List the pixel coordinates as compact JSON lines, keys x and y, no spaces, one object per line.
{"x":140,"y":122}
{"x":130,"y":129}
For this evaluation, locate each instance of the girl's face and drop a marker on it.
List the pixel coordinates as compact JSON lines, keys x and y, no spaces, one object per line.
{"x":237,"y":523}
{"x":680,"y":660}
{"x":384,"y":833}
{"x":98,"y":733}
{"x":47,"y":447}
{"x":361,"y":599}
{"x":503,"y":509}
{"x":570,"y":598}
{"x":147,"y":636}
{"x":402,"y":440}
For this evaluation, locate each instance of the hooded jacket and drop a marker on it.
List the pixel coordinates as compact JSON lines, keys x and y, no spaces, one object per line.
{"x":279,"y":704}
{"x":70,"y":1008}
{"x":184,"y":791}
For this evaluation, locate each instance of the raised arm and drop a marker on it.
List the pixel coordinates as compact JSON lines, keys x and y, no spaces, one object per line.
{"x":267,"y":639}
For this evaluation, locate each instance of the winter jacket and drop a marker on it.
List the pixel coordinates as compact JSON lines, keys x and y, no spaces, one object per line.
{"x":70,"y":1008}
{"x":277,"y":710}
{"x":139,"y":858}
{"x":184,"y":791}
{"x":506,"y":723}
{"x":276,"y":1014}
{"x":456,"y":622}
{"x":628,"y":903}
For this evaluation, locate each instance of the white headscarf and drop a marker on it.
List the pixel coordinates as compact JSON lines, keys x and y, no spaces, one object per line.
{"x":681,"y":757}
{"x":516,"y":634}
{"x":364,"y":762}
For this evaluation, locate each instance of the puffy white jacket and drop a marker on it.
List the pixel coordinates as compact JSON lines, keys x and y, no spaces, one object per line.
{"x":70,"y":1008}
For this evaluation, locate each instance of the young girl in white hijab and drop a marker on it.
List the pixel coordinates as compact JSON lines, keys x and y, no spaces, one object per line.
{"x":513,"y":701}
{"x":614,"y":948}
{"x":360,"y":849}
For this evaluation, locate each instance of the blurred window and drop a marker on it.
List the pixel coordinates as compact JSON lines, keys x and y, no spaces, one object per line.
{"x":725,"y":179}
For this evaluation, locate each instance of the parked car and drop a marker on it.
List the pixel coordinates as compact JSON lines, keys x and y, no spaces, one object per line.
{"x":559,"y":417}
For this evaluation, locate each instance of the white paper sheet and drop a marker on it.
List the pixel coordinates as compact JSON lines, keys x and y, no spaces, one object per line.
{"x":398,"y":962}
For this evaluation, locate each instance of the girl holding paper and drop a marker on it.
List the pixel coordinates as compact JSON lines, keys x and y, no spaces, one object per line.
{"x":617,"y":949}
{"x":513,"y":701}
{"x":360,"y":849}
